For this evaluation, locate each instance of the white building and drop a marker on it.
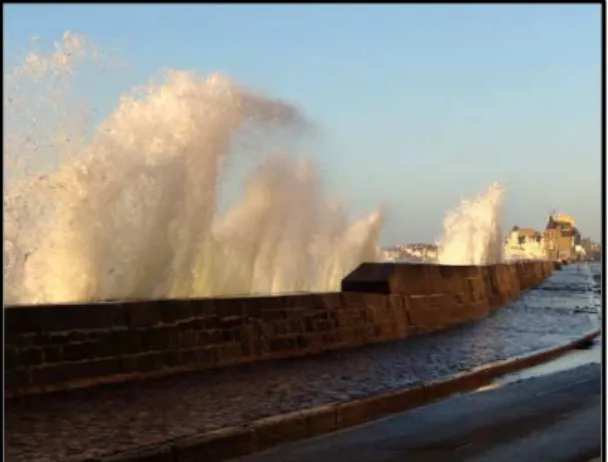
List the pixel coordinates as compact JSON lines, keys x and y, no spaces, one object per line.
{"x":524,"y":244}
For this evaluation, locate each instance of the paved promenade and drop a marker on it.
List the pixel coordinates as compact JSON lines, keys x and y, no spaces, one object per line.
{"x":553,"y":418}
{"x":88,"y":423}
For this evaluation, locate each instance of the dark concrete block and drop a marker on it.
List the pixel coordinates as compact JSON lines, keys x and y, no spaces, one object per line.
{"x":370,"y":278}
{"x":407,"y":279}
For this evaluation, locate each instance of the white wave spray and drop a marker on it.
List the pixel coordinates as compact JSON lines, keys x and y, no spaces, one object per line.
{"x":131,"y":209}
{"x":472,"y":231}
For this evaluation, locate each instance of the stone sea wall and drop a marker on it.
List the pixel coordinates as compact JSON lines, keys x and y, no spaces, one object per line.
{"x":57,"y":347}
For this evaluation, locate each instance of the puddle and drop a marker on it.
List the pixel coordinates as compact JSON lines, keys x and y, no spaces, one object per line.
{"x":568,"y":361}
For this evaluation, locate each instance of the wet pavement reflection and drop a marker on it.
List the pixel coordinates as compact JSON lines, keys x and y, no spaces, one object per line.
{"x":110,"y":419}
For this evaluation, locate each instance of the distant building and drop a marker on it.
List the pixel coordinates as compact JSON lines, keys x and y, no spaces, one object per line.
{"x":410,"y":252}
{"x":562,"y":238}
{"x":391,"y":254}
{"x":524,"y":243}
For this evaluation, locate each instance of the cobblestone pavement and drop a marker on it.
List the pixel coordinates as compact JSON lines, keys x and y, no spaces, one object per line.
{"x":110,"y":419}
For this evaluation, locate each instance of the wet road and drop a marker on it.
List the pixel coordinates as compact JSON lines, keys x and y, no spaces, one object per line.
{"x":110,"y":419}
{"x":555,"y":417}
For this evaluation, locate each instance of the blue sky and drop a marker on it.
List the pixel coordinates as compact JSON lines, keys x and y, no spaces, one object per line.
{"x":419,"y":105}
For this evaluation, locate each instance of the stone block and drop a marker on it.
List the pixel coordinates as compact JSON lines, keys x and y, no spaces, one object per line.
{"x":143,"y":314}
{"x":125,"y":342}
{"x":416,"y":279}
{"x":283,"y":344}
{"x":296,"y":325}
{"x":190,"y":356}
{"x":231,"y":352}
{"x":227,"y":307}
{"x":274,"y":314}
{"x":97,"y":368}
{"x":150,"y":362}
{"x":171,"y":358}
{"x":202,"y":307}
{"x":326,"y":301}
{"x":17,"y":380}
{"x":419,"y":302}
{"x":231,"y":322}
{"x":11,"y":357}
{"x":65,"y":373}
{"x":298,"y":301}
{"x":188,"y":339}
{"x":166,"y":337}
{"x":172,"y":311}
{"x":83,"y":351}
{"x":256,"y":307}
{"x":351,"y":301}
{"x":344,"y":319}
{"x":63,"y":317}
{"x":30,"y":357}
{"x":320,"y":420}
{"x":209,"y":356}
{"x":440,"y":301}
{"x":427,"y":317}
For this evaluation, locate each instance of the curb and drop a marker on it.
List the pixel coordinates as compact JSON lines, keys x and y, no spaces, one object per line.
{"x":232,"y":442}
